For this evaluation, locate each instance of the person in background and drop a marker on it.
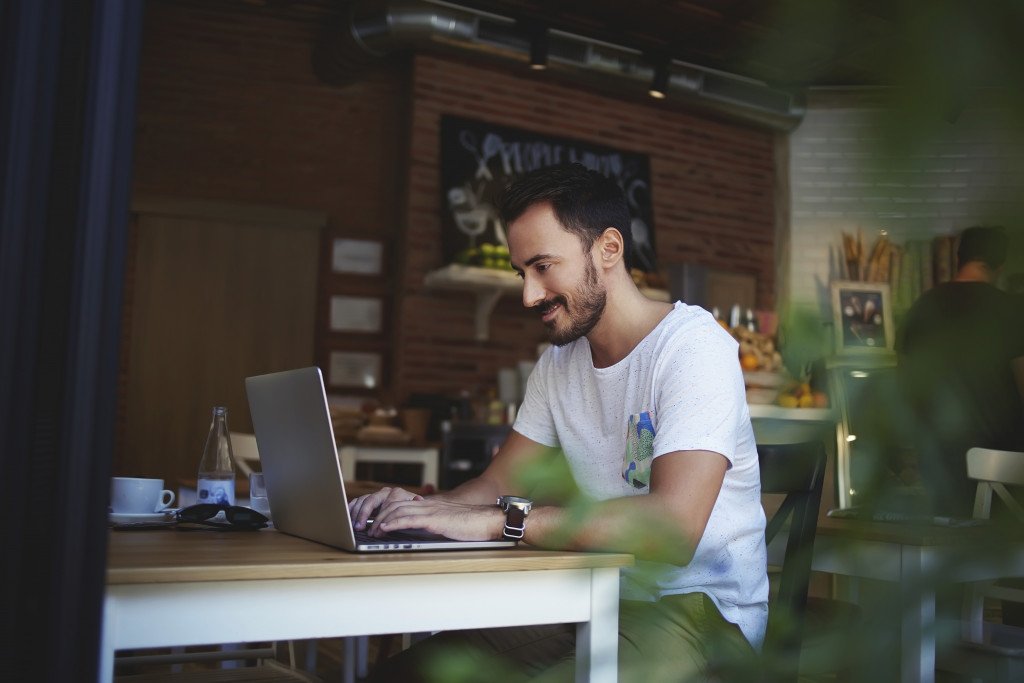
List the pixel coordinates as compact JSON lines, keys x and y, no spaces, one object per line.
{"x":962,"y":364}
{"x":644,"y":403}
{"x":1015,"y":284}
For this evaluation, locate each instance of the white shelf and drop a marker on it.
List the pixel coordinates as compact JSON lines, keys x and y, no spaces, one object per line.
{"x":455,"y":276}
{"x":767,"y":411}
{"x":489,"y":285}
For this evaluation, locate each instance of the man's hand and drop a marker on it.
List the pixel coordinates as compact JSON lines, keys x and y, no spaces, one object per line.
{"x":466,"y":513}
{"x":363,"y":507}
{"x":458,"y":521}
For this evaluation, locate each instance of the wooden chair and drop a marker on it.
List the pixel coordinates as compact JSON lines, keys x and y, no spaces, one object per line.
{"x":796,"y":470}
{"x":989,"y":650}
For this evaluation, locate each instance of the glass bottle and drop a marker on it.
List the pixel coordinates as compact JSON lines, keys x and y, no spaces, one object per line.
{"x":734,"y":316}
{"x":217,"y":468}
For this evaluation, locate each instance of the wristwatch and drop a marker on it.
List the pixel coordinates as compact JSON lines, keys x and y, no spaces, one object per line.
{"x":516,"y":509}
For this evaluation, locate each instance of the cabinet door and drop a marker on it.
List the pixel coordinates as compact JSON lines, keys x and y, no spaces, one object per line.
{"x":212,"y":296}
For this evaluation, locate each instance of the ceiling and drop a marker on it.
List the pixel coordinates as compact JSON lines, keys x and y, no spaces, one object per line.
{"x":944,"y":47}
{"x":779,"y":42}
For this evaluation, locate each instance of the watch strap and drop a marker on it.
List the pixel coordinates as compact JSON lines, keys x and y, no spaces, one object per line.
{"x":515,"y":523}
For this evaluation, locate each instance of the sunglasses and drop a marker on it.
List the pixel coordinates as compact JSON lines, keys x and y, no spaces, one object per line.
{"x":238,"y":518}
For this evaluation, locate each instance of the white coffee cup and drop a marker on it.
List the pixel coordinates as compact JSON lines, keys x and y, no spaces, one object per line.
{"x":137,"y":496}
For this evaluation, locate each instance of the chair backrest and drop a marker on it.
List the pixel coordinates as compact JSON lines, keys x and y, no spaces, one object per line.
{"x":993,"y":470}
{"x":796,"y":470}
{"x":247,"y":455}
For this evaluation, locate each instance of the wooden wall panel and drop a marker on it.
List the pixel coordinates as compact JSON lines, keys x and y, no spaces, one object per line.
{"x":214,"y":301}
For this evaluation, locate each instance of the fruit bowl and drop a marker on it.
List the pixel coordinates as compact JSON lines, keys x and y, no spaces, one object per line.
{"x":762,"y":379}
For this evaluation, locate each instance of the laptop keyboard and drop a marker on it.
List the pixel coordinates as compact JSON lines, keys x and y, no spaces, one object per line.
{"x":363,"y":538}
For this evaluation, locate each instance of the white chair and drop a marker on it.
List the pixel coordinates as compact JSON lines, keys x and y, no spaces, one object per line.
{"x":247,"y":455}
{"x":990,"y":650}
{"x":994,"y":470}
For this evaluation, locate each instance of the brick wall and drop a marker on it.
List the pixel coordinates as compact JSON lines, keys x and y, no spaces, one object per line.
{"x":230,"y":109}
{"x":712,"y":197}
{"x":935,"y":177}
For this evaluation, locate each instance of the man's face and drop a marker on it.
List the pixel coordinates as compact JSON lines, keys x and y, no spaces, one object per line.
{"x":559,"y":281}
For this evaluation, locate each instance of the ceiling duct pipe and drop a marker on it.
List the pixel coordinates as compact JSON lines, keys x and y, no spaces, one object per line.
{"x":374,"y":29}
{"x":371,"y":30}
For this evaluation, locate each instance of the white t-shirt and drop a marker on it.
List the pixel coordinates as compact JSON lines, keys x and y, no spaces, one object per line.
{"x":680,"y":389}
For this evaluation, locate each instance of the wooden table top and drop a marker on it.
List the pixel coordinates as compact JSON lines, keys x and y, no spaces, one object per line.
{"x":353,"y":488}
{"x":169,"y":555}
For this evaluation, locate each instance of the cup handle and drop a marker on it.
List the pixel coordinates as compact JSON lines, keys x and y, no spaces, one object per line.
{"x":164,"y":504}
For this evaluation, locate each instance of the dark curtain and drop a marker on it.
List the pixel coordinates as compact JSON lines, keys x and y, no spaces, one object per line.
{"x":67,"y":114}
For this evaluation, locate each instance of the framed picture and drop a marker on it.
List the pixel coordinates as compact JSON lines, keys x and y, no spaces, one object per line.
{"x":359,"y":257}
{"x":356,"y":314}
{"x":354,"y":369}
{"x":862,"y":317}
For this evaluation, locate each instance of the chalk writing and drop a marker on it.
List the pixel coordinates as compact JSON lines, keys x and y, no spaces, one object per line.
{"x":478,"y":159}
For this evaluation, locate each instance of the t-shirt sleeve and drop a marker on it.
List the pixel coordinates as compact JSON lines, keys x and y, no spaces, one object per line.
{"x":534,"y":419}
{"x":701,"y":401}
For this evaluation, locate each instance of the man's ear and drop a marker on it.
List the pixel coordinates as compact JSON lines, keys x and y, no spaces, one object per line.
{"x":610,"y":247}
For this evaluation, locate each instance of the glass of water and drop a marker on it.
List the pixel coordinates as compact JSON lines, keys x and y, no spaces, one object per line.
{"x":258,"y":494}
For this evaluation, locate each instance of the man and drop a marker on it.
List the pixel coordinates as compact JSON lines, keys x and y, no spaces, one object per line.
{"x":646,"y":402}
{"x":962,"y":362}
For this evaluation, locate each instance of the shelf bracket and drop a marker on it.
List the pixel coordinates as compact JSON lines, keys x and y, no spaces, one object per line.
{"x":486,"y":300}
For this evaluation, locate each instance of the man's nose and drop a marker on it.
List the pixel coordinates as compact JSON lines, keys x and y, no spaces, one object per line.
{"x":533,"y":293}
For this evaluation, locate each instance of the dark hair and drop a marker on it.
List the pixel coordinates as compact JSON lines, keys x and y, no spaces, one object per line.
{"x":584,"y":202}
{"x":982,"y":244}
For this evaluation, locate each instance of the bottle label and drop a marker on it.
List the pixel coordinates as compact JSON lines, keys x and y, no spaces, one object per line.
{"x":220,"y":491}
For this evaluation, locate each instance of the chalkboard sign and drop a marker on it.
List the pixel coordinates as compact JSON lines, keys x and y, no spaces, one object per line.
{"x":479,"y":159}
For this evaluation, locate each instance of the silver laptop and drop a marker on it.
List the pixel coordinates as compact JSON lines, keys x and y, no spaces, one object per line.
{"x":300,"y":463}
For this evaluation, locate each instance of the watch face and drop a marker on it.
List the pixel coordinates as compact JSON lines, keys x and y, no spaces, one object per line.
{"x":514,"y":501}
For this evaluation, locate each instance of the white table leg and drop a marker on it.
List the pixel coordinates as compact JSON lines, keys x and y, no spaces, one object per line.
{"x":311,"y":653}
{"x":917,"y":647}
{"x":106,"y":674}
{"x":348,"y":668}
{"x":597,"y":640}
{"x":362,"y":656}
{"x":106,"y":663}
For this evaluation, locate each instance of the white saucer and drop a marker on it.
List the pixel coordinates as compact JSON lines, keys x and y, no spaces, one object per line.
{"x":134,"y":518}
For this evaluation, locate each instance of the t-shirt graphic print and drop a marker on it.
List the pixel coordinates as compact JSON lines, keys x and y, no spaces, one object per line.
{"x":636,"y":462}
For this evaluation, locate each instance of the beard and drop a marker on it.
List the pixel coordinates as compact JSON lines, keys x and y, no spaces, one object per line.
{"x":589,"y":300}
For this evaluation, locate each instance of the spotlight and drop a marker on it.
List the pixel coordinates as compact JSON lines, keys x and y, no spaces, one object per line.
{"x":539,"y":48}
{"x":659,"y":86}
